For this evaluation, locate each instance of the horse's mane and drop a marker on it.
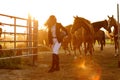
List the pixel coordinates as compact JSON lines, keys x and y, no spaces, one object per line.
{"x":103,"y":21}
{"x":86,"y":24}
{"x":84,"y":19}
{"x":69,"y":26}
{"x":99,"y":24}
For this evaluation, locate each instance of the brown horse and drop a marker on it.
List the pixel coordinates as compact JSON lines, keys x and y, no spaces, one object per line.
{"x":87,"y":33}
{"x":100,"y":35}
{"x":115,"y":24}
{"x":69,"y":35}
{"x":100,"y":38}
{"x":101,"y":24}
{"x":78,"y":39}
{"x":69,"y":43}
{"x":66,"y":43}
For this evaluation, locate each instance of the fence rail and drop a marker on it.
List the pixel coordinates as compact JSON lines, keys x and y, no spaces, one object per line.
{"x":31,"y":34}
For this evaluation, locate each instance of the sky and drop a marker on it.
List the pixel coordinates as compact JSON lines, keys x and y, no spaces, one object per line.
{"x":64,"y":10}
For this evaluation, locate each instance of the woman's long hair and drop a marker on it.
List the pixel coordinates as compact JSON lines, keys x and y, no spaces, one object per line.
{"x":51,"y":21}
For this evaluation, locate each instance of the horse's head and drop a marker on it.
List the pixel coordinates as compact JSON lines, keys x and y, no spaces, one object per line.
{"x":75,"y":24}
{"x":106,"y":25}
{"x":111,"y":22}
{"x":81,"y":22}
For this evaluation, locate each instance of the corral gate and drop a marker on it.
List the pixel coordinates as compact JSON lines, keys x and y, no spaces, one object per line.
{"x":21,"y":38}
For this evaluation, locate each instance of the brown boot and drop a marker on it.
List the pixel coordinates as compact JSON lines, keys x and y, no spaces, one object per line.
{"x":52,"y":69}
{"x":57,"y":67}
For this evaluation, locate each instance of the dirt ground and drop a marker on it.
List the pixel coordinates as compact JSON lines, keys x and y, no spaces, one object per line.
{"x":103,"y":65}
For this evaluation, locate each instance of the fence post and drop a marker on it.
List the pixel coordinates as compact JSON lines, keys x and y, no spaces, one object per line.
{"x":118,"y":35}
{"x":35,"y":40}
{"x":30,"y":37}
{"x":14,"y":33}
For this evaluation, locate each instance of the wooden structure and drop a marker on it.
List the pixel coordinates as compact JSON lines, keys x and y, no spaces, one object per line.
{"x":30,"y":35}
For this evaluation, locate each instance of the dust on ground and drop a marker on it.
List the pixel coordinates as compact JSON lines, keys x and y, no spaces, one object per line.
{"x":103,"y":65}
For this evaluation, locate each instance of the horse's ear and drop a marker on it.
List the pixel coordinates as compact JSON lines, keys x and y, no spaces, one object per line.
{"x":108,"y":16}
{"x":74,"y":16}
{"x":112,"y":16}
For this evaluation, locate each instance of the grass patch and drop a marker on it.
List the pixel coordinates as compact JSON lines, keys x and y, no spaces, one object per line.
{"x":9,"y":63}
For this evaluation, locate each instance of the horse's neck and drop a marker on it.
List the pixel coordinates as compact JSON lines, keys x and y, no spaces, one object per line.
{"x":115,"y":25}
{"x":98,"y":25}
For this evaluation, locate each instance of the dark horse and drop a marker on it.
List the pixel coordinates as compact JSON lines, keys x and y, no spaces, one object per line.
{"x":100,"y":38}
{"x":100,"y":35}
{"x":99,"y":24}
{"x":115,"y":24}
{"x":87,"y":33}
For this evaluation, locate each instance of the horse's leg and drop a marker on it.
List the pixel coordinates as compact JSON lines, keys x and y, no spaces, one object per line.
{"x":67,"y":48}
{"x":101,"y":43}
{"x":65,"y":51}
{"x":75,"y":55}
{"x":80,"y":51}
{"x":79,"y":48}
{"x":91,"y":49}
{"x":85,"y":48}
{"x":70,"y":46}
{"x":74,"y":49}
{"x":116,"y":47}
{"x":64,"y":48}
{"x":69,"y":52}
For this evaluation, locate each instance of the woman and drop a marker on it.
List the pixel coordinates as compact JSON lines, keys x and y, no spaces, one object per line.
{"x":55,"y":39}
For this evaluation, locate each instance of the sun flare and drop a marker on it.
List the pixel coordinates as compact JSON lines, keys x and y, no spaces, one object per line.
{"x":42,"y":9}
{"x":83,"y":65}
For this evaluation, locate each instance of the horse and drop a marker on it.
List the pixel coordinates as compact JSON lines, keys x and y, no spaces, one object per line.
{"x":115,"y":24}
{"x":78,"y":39}
{"x":69,"y":43}
{"x":66,"y":43}
{"x":87,"y":33}
{"x":100,"y":35}
{"x":68,"y":27}
{"x":100,"y":38}
{"x":101,"y":24}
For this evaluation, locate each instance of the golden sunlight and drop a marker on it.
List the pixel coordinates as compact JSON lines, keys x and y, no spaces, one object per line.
{"x":82,"y":65}
{"x":87,"y":69}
